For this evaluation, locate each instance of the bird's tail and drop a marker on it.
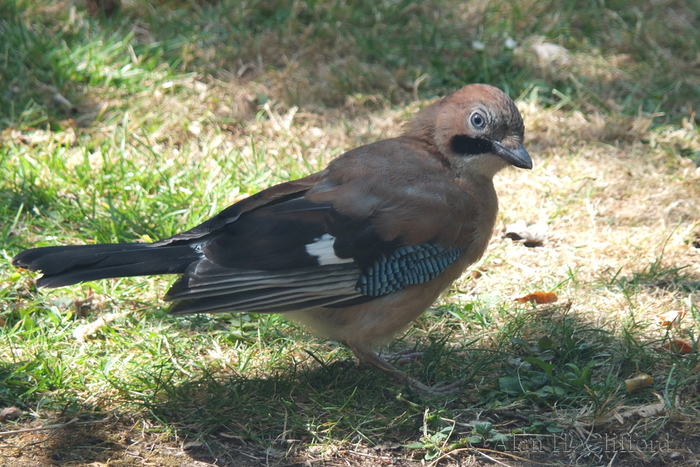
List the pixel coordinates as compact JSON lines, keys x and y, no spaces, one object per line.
{"x":66,"y":265}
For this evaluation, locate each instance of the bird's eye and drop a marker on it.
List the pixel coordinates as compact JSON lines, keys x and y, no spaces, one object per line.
{"x":477,"y":120}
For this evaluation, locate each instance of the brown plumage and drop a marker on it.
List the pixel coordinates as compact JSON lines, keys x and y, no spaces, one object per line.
{"x":354,"y":252}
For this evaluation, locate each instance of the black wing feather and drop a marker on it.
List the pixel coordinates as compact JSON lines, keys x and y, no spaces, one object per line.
{"x":262,"y":263}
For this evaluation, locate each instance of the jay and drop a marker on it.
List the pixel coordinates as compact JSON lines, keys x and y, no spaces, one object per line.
{"x":355,"y":252}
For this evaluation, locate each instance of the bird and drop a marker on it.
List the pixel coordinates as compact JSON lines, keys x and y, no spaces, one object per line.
{"x":355,"y":252}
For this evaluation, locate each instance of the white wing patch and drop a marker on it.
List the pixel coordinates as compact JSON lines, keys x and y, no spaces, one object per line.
{"x":322,"y":249}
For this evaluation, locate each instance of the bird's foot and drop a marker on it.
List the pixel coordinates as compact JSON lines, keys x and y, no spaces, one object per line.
{"x":440,"y":389}
{"x":404,"y":357}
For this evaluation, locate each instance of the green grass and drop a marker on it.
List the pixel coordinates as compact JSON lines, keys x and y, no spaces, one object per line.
{"x":177,"y":109}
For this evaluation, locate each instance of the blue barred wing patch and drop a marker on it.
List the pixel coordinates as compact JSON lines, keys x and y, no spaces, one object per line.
{"x":408,"y":265}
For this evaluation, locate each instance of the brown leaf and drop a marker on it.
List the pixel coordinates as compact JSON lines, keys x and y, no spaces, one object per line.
{"x":639,"y":380}
{"x":645,"y":411}
{"x":82,"y":306}
{"x":538,"y":298}
{"x":682,"y":346}
{"x":9,"y":413}
{"x":671,"y":319}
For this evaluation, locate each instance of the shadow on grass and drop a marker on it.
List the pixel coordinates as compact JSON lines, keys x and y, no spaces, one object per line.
{"x":547,"y":363}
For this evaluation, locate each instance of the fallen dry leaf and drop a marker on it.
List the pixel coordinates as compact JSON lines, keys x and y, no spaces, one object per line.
{"x":538,"y":298}
{"x":82,"y":306}
{"x":619,"y":416}
{"x":638,"y":381}
{"x":9,"y":413}
{"x":81,"y":332}
{"x":533,"y":234}
{"x":682,"y":346}
{"x":671,"y":319}
{"x":645,"y":411}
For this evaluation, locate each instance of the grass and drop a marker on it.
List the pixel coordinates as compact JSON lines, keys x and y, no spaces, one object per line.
{"x":137,"y":126}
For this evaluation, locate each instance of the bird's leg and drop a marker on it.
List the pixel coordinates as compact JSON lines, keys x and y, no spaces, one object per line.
{"x":404,"y":357}
{"x":369,"y":357}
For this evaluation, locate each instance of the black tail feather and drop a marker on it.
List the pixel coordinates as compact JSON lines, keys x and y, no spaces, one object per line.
{"x":66,"y":265}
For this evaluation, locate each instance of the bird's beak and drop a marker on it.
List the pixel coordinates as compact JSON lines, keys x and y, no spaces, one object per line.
{"x":515,"y":156}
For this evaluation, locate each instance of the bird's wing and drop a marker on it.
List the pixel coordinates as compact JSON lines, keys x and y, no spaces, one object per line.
{"x":269,"y":196}
{"x":344,"y":239}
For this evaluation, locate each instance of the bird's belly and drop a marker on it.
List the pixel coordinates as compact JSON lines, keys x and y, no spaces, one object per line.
{"x":376,"y":322}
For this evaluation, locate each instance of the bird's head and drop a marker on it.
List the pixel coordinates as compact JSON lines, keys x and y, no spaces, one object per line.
{"x":480,"y":131}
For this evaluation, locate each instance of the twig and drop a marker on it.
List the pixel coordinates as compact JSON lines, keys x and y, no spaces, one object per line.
{"x":491,"y":458}
{"x":74,"y":421}
{"x":481,"y":452}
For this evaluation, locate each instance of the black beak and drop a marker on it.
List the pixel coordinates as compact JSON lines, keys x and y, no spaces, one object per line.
{"x":517,"y":157}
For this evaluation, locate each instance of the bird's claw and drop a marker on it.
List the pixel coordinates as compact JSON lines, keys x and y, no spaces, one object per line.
{"x":404,"y":357}
{"x":440,"y":389}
